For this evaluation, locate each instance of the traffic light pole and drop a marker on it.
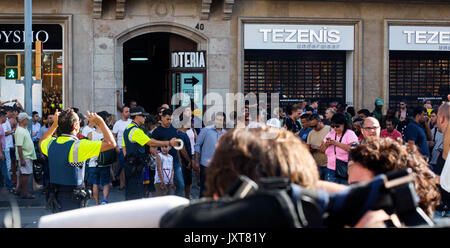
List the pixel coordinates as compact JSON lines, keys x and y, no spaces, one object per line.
{"x":28,"y":87}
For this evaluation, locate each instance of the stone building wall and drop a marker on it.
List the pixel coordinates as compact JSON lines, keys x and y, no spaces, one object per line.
{"x":95,"y":64}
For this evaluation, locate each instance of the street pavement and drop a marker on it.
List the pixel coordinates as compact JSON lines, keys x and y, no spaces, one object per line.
{"x":31,"y":210}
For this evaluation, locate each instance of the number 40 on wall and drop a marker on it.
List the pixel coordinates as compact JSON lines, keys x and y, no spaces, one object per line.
{"x":200,"y":26}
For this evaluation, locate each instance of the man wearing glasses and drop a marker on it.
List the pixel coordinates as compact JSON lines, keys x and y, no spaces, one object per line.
{"x":371,"y":127}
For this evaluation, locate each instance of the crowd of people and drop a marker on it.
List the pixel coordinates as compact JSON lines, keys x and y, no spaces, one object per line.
{"x":352,"y":146}
{"x":333,"y":149}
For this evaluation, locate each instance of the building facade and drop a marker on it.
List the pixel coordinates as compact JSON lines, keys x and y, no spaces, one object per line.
{"x":345,"y":51}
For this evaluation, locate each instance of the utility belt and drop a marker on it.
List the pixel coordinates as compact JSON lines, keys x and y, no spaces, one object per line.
{"x":78,"y":195}
{"x":136,"y":162}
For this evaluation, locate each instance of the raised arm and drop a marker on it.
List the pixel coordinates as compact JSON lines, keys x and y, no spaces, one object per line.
{"x":119,"y":106}
{"x":51,"y":130}
{"x":108,"y":139}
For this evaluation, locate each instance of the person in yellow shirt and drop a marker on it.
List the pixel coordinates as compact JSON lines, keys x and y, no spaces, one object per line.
{"x":67,"y":154}
{"x":134,"y":141}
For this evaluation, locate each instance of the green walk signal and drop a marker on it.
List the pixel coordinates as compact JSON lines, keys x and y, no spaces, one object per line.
{"x":12,"y":73}
{"x":12,"y":66}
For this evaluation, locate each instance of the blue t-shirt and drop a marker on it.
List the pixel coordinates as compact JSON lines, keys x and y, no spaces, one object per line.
{"x":304,"y":133}
{"x":187,"y":145}
{"x":163,"y":134}
{"x":415,"y":132}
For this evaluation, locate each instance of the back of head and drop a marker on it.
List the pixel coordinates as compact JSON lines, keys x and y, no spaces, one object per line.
{"x":66,"y":120}
{"x":365,"y":112}
{"x":257,"y":153}
{"x":381,"y":155}
{"x":351,"y":111}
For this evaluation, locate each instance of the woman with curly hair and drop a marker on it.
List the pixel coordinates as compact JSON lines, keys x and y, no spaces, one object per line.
{"x":381,"y":155}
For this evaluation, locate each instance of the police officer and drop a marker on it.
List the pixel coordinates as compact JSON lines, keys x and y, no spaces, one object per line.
{"x":67,"y":154}
{"x":134,"y":140}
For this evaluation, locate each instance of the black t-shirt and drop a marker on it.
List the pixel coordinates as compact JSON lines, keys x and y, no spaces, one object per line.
{"x":293,"y":126}
{"x":163,"y":134}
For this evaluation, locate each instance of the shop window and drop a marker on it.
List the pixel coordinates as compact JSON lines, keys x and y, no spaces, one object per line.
{"x":296,"y":75}
{"x":52,"y":78}
{"x":415,"y":76}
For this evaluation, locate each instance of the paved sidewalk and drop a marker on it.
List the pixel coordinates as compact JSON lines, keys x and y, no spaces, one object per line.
{"x":32,"y":210}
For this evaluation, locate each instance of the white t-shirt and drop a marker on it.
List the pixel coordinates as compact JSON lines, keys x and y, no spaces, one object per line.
{"x":166,"y":167}
{"x":191,"y":136}
{"x":86,"y":130}
{"x":95,"y":137}
{"x":445,"y":175}
{"x":8,"y":139}
{"x":119,"y":128}
{"x":35,"y":129}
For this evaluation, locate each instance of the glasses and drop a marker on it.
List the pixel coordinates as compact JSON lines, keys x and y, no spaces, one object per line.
{"x":402,"y":104}
{"x":370,"y":128}
{"x":336,"y":125}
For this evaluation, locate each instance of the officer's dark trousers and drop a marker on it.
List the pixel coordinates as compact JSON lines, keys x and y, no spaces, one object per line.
{"x":64,"y":196}
{"x":134,"y":188}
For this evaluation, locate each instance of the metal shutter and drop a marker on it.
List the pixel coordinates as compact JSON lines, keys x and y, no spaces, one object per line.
{"x":296,"y":75}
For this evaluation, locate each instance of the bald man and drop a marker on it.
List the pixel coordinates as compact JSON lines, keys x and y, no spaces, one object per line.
{"x":371,"y":127}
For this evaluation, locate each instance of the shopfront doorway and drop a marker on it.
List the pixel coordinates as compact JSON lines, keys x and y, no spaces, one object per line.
{"x":146,"y":68}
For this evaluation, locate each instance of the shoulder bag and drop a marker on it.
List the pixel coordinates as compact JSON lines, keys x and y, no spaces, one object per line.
{"x":341,"y":166}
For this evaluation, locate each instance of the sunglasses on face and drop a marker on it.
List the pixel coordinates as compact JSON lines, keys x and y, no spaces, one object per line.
{"x":336,"y":125}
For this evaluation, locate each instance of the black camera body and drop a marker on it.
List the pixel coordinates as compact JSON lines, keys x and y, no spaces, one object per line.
{"x":275,"y":202}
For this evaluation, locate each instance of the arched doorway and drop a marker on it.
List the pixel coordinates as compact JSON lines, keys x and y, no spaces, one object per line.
{"x":156,"y":41}
{"x":146,"y":65}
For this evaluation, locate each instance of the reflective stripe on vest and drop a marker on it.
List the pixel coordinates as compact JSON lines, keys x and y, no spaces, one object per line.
{"x":130,"y":135}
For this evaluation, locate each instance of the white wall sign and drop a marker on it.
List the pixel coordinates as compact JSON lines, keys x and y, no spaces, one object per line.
{"x":298,"y":37}
{"x":419,"y":38}
{"x":187,"y":59}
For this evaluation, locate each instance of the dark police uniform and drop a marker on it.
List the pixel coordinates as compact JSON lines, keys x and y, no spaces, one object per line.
{"x":66,"y":156}
{"x":134,"y":140}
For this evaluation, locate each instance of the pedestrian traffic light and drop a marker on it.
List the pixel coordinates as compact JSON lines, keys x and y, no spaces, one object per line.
{"x":12,"y":66}
{"x":38,"y":59}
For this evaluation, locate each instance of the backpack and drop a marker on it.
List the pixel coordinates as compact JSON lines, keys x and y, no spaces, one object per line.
{"x":107,"y":157}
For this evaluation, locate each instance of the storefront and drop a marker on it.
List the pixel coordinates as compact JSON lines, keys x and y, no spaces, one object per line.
{"x":49,"y":95}
{"x":300,"y":62}
{"x":332,"y":51}
{"x":419,"y":64}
